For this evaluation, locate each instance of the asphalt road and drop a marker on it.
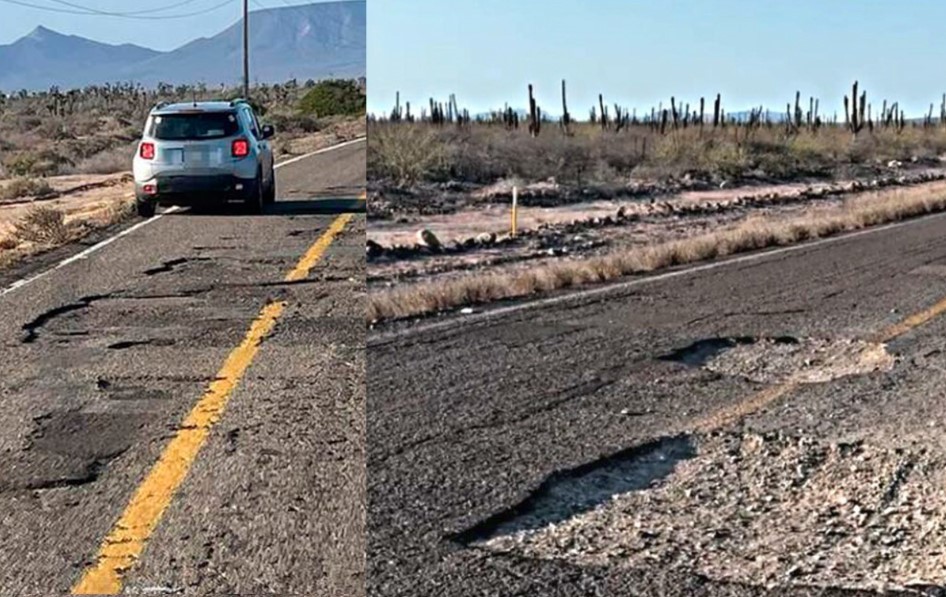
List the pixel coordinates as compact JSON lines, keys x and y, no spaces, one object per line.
{"x":472,"y":420}
{"x":102,"y":359}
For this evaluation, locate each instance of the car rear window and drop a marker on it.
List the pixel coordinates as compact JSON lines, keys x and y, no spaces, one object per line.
{"x":178,"y":127}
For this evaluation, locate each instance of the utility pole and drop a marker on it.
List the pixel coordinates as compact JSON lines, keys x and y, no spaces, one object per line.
{"x":246,"y":49}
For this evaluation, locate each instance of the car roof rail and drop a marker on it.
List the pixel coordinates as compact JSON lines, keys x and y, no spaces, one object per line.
{"x":238,"y":100}
{"x":160,"y":105}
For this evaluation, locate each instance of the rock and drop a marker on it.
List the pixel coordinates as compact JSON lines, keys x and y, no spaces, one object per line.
{"x":373,"y":249}
{"x":894,"y":164}
{"x":486,"y":238}
{"x":428,"y":239}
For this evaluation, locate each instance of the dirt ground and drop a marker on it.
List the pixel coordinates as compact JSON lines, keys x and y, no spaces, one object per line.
{"x":335,"y":133}
{"x":578,"y":230}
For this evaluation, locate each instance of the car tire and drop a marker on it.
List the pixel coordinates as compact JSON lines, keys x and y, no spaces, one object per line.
{"x":270,"y":197}
{"x":257,"y":202}
{"x":145,"y":209}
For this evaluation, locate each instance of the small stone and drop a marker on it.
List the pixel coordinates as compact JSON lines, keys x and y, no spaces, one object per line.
{"x":486,"y":238}
{"x":426,"y":238}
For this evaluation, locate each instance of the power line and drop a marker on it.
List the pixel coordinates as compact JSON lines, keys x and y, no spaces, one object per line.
{"x":125,"y":14}
{"x":136,"y":15}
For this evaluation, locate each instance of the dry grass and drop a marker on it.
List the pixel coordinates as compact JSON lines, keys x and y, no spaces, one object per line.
{"x":751,"y":234}
{"x":24,"y":187}
{"x":45,"y":227}
{"x":404,"y":154}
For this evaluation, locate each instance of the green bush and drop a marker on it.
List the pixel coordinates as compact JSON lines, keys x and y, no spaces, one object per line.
{"x":333,"y":98}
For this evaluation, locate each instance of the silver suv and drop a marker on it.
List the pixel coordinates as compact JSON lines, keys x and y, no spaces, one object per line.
{"x":200,"y":152}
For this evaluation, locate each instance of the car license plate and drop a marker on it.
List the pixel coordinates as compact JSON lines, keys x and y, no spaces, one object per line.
{"x":174,"y":157}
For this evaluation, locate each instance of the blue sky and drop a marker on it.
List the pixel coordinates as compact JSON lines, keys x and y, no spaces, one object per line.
{"x":639,"y":52}
{"x":16,"y":21}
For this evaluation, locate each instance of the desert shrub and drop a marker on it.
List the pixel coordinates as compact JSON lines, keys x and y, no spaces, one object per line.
{"x":45,"y":162}
{"x":333,"y":98}
{"x":116,"y":159}
{"x":20,"y":164}
{"x":406,"y":155}
{"x":43,"y":226}
{"x":24,"y":187}
{"x":295,"y":123}
{"x":55,"y":129}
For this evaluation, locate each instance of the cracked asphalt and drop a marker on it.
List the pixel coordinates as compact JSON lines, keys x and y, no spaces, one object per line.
{"x":101,"y":359}
{"x":561,"y":416}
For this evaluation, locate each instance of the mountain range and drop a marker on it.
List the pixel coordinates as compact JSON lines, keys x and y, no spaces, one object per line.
{"x":311,"y":41}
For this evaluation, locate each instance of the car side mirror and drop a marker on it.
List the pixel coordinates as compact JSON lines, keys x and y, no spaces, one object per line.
{"x":268,"y":131}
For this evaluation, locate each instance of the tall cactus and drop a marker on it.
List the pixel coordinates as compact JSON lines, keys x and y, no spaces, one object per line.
{"x":566,"y":117}
{"x":603,"y":115}
{"x":855,"y":111}
{"x":535,"y":124}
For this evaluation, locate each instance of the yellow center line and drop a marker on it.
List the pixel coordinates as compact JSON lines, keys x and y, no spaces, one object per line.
{"x":122,"y":547}
{"x":909,"y":323}
{"x":763,"y":398}
{"x":315,"y":252}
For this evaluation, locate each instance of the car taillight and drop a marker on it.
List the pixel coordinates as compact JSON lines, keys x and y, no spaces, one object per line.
{"x":147,"y":151}
{"x":240,"y":148}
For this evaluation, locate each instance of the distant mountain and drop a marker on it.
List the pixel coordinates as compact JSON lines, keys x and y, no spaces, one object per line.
{"x":45,"y":58}
{"x":312,"y":41}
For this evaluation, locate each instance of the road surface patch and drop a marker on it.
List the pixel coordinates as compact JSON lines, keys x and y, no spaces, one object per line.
{"x":125,"y":542}
{"x":764,"y":510}
{"x":786,"y":358}
{"x":873,"y":356}
{"x":747,"y":508}
{"x":68,"y":448}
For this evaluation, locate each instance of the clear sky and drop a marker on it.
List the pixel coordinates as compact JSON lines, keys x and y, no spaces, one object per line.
{"x":17,"y":20}
{"x":640,"y":52}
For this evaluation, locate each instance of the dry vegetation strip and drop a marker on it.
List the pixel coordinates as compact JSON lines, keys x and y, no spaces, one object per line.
{"x":751,"y":234}
{"x":44,"y":227}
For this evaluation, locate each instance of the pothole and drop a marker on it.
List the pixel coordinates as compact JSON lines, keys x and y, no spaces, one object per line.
{"x":762,"y":510}
{"x":125,"y":344}
{"x":69,"y":448}
{"x":569,"y":493}
{"x":786,"y":358}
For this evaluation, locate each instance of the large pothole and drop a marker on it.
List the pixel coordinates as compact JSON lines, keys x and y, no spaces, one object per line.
{"x":763,"y":510}
{"x":785,"y":358}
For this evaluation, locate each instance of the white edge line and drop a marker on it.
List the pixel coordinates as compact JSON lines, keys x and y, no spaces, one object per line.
{"x":86,"y":252}
{"x":323,"y":150}
{"x":458,"y":321}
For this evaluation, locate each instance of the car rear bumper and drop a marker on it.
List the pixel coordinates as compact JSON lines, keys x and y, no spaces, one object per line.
{"x":191,"y":189}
